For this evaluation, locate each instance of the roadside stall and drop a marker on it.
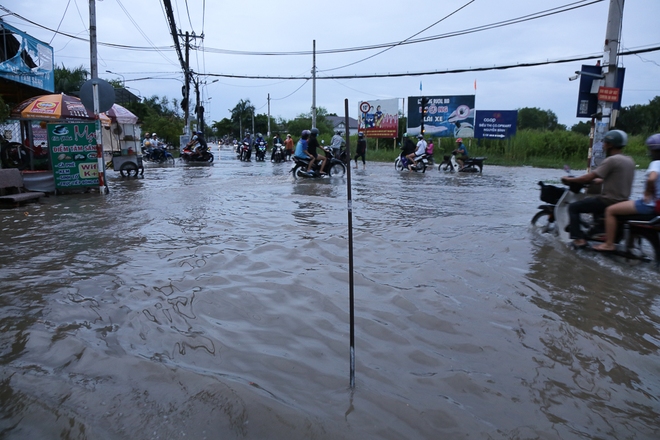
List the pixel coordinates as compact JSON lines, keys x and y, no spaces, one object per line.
{"x":29,"y":153}
{"x":120,"y":138}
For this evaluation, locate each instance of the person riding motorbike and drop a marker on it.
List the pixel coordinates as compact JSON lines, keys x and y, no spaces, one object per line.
{"x":647,"y":205}
{"x":276,"y":140}
{"x":419,"y":152}
{"x":197,"y":145}
{"x":461,"y":153}
{"x":616,"y":173}
{"x":302,"y":147}
{"x":146,"y":143}
{"x":312,"y":145}
{"x":250,"y":142}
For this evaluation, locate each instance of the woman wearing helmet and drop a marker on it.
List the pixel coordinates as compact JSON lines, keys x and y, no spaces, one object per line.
{"x":616,"y":173}
{"x":647,"y":205}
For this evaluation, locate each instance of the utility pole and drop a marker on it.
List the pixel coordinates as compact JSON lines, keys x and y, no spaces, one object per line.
{"x":314,"y":85}
{"x":269,"y":115}
{"x":609,"y":65}
{"x":186,"y":88}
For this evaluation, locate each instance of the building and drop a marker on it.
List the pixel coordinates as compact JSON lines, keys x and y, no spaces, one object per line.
{"x":339,"y":123}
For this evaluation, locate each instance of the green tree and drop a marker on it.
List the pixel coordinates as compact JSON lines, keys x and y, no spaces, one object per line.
{"x":159,"y":115}
{"x":224,"y":127}
{"x":69,"y":81}
{"x":240,"y":114}
{"x":537,"y":119}
{"x":641,"y":119}
{"x":582,"y":128}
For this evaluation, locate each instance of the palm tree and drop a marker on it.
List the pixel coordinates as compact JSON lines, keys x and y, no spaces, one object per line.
{"x":242,"y":110}
{"x":69,"y":81}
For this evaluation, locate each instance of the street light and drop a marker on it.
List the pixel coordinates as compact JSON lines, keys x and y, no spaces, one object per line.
{"x":122,"y":77}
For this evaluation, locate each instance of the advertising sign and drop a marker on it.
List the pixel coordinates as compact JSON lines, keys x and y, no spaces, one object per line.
{"x":446,"y":116}
{"x":25,"y":59}
{"x":587,"y":99}
{"x":491,"y":124}
{"x":73,"y":154}
{"x":379,"y":119}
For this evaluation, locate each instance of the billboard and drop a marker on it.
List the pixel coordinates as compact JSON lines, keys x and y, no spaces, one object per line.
{"x":379,"y":118}
{"x":587,"y":97}
{"x":25,"y":59}
{"x":446,"y":116}
{"x":495,"y":124}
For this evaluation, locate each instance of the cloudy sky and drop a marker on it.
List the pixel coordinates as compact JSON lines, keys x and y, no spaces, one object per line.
{"x":258,"y":38}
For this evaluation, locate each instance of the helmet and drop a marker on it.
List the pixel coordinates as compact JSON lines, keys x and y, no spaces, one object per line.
{"x":420,"y":136}
{"x":653,"y":142}
{"x":305,"y":134}
{"x":315,"y":131}
{"x":459,"y":140}
{"x":360,"y":134}
{"x":154,"y":134}
{"x":147,"y":135}
{"x":288,"y":135}
{"x":616,"y":138}
{"x":258,"y":135}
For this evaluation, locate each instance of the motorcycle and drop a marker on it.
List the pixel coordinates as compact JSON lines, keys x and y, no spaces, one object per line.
{"x":189,"y":156}
{"x":637,"y":237}
{"x":471,"y":165}
{"x":279,"y":153}
{"x":245,"y":152}
{"x":333,"y":167}
{"x":260,"y":151}
{"x":401,"y":163}
{"x":158,"y":155}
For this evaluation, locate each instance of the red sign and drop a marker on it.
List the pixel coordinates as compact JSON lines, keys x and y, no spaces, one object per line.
{"x":608,"y":94}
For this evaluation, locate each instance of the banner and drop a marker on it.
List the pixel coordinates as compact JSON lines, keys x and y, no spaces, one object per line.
{"x":446,"y":116}
{"x":500,"y":124}
{"x":73,"y":154}
{"x":379,"y":119}
{"x":25,"y":59}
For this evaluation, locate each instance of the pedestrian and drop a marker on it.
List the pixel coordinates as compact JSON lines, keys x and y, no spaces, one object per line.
{"x":288,"y":144}
{"x":361,"y":151}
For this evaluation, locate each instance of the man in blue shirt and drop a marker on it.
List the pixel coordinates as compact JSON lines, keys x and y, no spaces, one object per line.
{"x":461,"y":153}
{"x":301,"y":147}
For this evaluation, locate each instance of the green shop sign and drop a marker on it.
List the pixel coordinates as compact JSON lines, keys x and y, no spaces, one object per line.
{"x":73,"y":154}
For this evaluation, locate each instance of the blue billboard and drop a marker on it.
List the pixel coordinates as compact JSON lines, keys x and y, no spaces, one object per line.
{"x":25,"y":59}
{"x":445,"y":116}
{"x":495,"y":124}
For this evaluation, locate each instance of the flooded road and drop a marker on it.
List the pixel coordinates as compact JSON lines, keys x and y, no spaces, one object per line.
{"x":212,"y":303}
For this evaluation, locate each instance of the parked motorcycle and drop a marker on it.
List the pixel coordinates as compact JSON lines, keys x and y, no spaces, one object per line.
{"x":158,"y":155}
{"x":260,"y":151}
{"x":401,"y":163}
{"x":279,"y":153}
{"x":471,"y":165}
{"x":637,"y":236}
{"x":333,"y":167}
{"x":189,"y":156}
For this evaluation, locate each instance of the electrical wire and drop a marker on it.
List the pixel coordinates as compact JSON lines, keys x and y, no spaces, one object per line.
{"x":60,"y":23}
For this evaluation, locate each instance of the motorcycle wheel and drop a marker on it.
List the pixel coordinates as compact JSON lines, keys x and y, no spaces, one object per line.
{"x":398,"y":164}
{"x":337,"y":170}
{"x":299,"y":172}
{"x":543,"y":222}
{"x":641,"y":249}
{"x":15,"y":155}
{"x":169,"y":160}
{"x":423,"y":165}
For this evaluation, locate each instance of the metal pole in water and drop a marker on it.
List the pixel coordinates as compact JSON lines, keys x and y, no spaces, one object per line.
{"x":351,"y":295}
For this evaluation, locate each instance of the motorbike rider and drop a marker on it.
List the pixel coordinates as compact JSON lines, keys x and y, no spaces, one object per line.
{"x":312,"y":145}
{"x":647,"y":205}
{"x":336,"y":143}
{"x":616,"y":173}
{"x":146,"y":143}
{"x":248,"y":139}
{"x":461,"y":153}
{"x":197,"y":145}
{"x":419,"y":152}
{"x":302,"y":147}
{"x":276,"y":140}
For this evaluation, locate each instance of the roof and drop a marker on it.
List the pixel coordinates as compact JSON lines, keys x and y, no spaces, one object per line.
{"x":337,"y":121}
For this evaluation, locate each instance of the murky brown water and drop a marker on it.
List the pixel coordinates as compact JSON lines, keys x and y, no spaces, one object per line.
{"x":212,"y":303}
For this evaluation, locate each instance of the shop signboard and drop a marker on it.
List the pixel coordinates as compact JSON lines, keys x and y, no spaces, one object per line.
{"x":444,"y":116}
{"x":25,"y":59}
{"x":495,"y":124}
{"x":73,"y":154}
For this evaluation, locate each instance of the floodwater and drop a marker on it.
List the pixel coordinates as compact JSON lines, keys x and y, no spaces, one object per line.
{"x":213,"y":303}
